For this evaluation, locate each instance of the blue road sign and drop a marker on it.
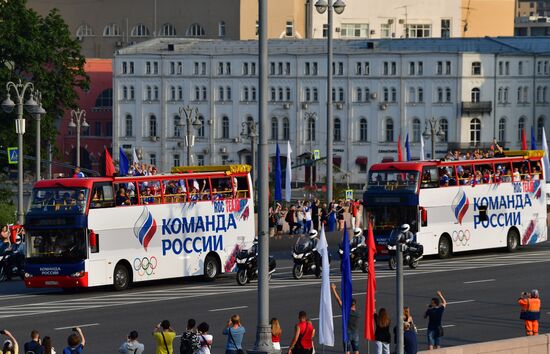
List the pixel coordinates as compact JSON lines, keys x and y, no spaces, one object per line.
{"x":13,"y":155}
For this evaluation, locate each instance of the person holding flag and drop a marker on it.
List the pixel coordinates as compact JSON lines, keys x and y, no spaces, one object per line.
{"x":352,"y":342}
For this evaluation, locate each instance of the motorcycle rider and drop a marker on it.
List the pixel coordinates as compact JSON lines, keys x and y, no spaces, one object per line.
{"x":409,"y":238}
{"x":313,"y":240}
{"x":358,"y":240}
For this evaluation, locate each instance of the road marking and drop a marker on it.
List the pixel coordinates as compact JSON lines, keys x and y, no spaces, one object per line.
{"x":229,"y":308}
{"x":84,"y":325}
{"x":356,"y":294}
{"x":317,"y":318}
{"x":479,"y":281}
{"x":459,"y":302}
{"x":425,"y":329}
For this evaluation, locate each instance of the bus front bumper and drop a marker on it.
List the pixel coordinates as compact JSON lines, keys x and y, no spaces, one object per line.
{"x":56,"y":281}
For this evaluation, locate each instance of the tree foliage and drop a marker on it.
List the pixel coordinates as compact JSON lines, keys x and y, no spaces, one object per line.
{"x":41,"y":50}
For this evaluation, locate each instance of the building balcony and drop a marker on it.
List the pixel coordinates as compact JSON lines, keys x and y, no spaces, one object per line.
{"x":474,"y":108}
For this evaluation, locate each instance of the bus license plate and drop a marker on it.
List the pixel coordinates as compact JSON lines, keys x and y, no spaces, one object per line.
{"x":51,"y":282}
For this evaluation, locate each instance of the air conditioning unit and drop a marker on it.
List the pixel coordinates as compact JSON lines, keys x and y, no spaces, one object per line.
{"x":337,"y":29}
{"x":118,"y":44}
{"x":390,"y":21}
{"x":374,"y":95}
{"x":383,"y":106}
{"x":154,"y":138}
{"x":372,"y":32}
{"x":401,"y":21}
{"x":286,"y":105}
{"x":223,"y":150}
{"x":304,"y":105}
{"x":339,"y":105}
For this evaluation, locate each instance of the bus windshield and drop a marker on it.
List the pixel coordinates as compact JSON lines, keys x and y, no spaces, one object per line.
{"x":393,"y":180}
{"x":392,"y":216}
{"x":56,"y":245}
{"x":59,"y":200}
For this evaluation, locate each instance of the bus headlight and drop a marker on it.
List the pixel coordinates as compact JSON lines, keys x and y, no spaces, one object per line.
{"x":77,"y":275}
{"x":27,"y":275}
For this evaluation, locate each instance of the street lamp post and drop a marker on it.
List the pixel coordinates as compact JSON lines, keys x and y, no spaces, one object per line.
{"x":78,"y":121}
{"x":191,"y":121}
{"x":322,"y":6}
{"x":434,"y":133}
{"x":30,"y":105}
{"x":310,"y":118}
{"x":38,"y":113}
{"x":249,"y":131}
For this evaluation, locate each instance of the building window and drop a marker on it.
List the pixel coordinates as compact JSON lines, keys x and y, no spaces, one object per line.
{"x":288,"y":95}
{"x":363,"y":130}
{"x":168,"y":30}
{"x":221,"y":29}
{"x":386,"y":95}
{"x":289,"y":29}
{"x":502,"y":130}
{"x":228,"y":93}
{"x":84,"y":30}
{"x":153,"y":159}
{"x":286,"y":129}
{"x":204,"y":94}
{"x":354,"y":30}
{"x":225,"y":127}
{"x":389,"y":130}
{"x":448,"y":97}
{"x":253,"y":94}
{"x":273,"y":94}
{"x":419,"y":31}
{"x":310,"y":129}
{"x":439,"y":94}
{"x":149,"y":93}
{"x":200,"y":131}
{"x":152,"y":125}
{"x":220,"y":93}
{"x":475,"y":131}
{"x":358,"y":94}
{"x":246,"y":96}
{"x":476,"y":68}
{"x":128,"y":125}
{"x":195,"y":30}
{"x":200,"y":160}
{"x":111,"y":30}
{"x":105,"y":99}
{"x":385,"y":30}
{"x":412,"y":94}
{"x":176,"y":160}
{"x":521,"y":127}
{"x":274,"y":129}
{"x":540,"y":128}
{"x":445,"y":28}
{"x":325,"y":30}
{"x":520,"y":68}
{"x":444,"y":128}
{"x":447,"y":68}
{"x":393,"y":94}
{"x":315,"y":94}
{"x":140,"y":30}
{"x":156,"y":93}
{"x":475,"y":94}
{"x":416,"y":130}
{"x":337,"y":129}
{"x":177,"y":127}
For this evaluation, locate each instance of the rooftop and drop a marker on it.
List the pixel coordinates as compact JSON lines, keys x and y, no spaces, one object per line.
{"x":486,"y":45}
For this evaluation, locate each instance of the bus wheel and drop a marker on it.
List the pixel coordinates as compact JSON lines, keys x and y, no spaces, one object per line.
{"x":512,"y":240}
{"x":211,"y":269}
{"x":121,"y":277}
{"x":445,"y":248}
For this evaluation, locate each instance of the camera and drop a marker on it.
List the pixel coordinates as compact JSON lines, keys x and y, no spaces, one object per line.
{"x":74,"y":329}
{"x":3,"y":331}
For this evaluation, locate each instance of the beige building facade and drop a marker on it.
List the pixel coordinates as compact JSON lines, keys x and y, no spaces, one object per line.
{"x":491,"y":18}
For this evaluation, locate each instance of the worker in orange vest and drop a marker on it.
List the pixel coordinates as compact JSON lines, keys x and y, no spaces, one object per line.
{"x":530,"y":311}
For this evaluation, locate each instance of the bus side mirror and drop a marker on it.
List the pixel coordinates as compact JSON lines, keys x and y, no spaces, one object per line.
{"x":93,"y":240}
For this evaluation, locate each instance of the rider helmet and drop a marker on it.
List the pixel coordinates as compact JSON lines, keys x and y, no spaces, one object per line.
{"x":357,"y":232}
{"x":404,"y":228}
{"x":18,"y":239}
{"x":313,"y":234}
{"x":535,"y":293}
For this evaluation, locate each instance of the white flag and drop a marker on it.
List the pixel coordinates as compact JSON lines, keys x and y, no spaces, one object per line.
{"x":546,"y":164}
{"x":326,"y":325}
{"x":288,"y":173}
{"x":135,"y":158}
{"x":421,"y":148}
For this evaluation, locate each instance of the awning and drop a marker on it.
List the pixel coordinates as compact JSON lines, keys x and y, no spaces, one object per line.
{"x":337,"y":160}
{"x":362,"y":160}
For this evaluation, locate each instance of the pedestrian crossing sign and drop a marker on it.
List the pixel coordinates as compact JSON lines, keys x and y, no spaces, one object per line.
{"x":349,"y":194}
{"x":316,"y":154}
{"x":13,"y":155}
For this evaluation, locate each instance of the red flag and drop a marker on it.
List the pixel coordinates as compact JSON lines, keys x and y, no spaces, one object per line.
{"x":371,"y":287}
{"x":523,"y":140}
{"x":399,"y":150}
{"x":109,"y":165}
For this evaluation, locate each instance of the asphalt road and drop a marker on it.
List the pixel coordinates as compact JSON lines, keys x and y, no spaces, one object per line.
{"x":481,"y":289}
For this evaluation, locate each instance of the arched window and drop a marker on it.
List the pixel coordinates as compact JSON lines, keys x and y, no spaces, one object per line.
{"x":389,"y":130}
{"x":363,"y":130}
{"x":475,"y":94}
{"x":228,"y":93}
{"x":140,"y":30}
{"x":253,"y":93}
{"x":195,"y":30}
{"x":197,"y":93}
{"x":221,"y":93}
{"x":168,"y":30}
{"x":444,"y":128}
{"x":200,"y":131}
{"x":246,"y":96}
{"x":311,"y":129}
{"x":105,"y":99}
{"x":225,"y":127}
{"x":448,"y":94}
{"x":420,"y":94}
{"x":540,"y":128}
{"x":475,"y":131}
{"x":412,"y":94}
{"x":173,"y":93}
{"x":221,"y":29}
{"x":315,"y":94}
{"x":274,"y":129}
{"x":359,"y":94}
{"x":337,"y":129}
{"x":286,"y":129}
{"x":177,"y":127}
{"x":84,"y":30}
{"x":129,"y":125}
{"x":502,"y":130}
{"x":439,"y":94}
{"x":386,"y":94}
{"x":308,"y":94}
{"x":416,"y":130}
{"x":152,"y":125}
{"x":204,"y":95}
{"x":180,"y":93}
{"x":521,"y":127}
{"x":111,"y":30}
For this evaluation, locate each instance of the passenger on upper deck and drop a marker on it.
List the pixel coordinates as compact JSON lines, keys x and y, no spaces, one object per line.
{"x":122,"y":197}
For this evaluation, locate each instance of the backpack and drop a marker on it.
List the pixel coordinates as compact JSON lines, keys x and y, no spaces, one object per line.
{"x":190,"y":343}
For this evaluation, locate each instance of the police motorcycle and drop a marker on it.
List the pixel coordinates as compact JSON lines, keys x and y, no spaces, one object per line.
{"x":358,"y":252}
{"x":306,"y":258}
{"x":12,"y":262}
{"x":413,"y":251}
{"x":247,"y":264}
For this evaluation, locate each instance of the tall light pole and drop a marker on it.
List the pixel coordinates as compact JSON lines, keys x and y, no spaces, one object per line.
{"x":78,"y":121}
{"x":38,"y":113}
{"x":30,"y":105}
{"x":249,"y":131}
{"x":310,"y":118}
{"x":434,"y":133}
{"x":322,"y":6}
{"x":191,"y":122}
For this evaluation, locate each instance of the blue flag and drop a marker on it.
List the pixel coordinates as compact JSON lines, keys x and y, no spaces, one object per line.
{"x":408,"y":148}
{"x":533,"y":140}
{"x":278,"y":175}
{"x":123,"y":163}
{"x":346,"y":284}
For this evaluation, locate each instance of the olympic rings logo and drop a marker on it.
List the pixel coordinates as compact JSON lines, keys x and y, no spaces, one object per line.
{"x":461,"y":237}
{"x":145,"y":265}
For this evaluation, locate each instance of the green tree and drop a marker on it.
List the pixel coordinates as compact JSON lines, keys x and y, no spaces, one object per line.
{"x":41,"y":50}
